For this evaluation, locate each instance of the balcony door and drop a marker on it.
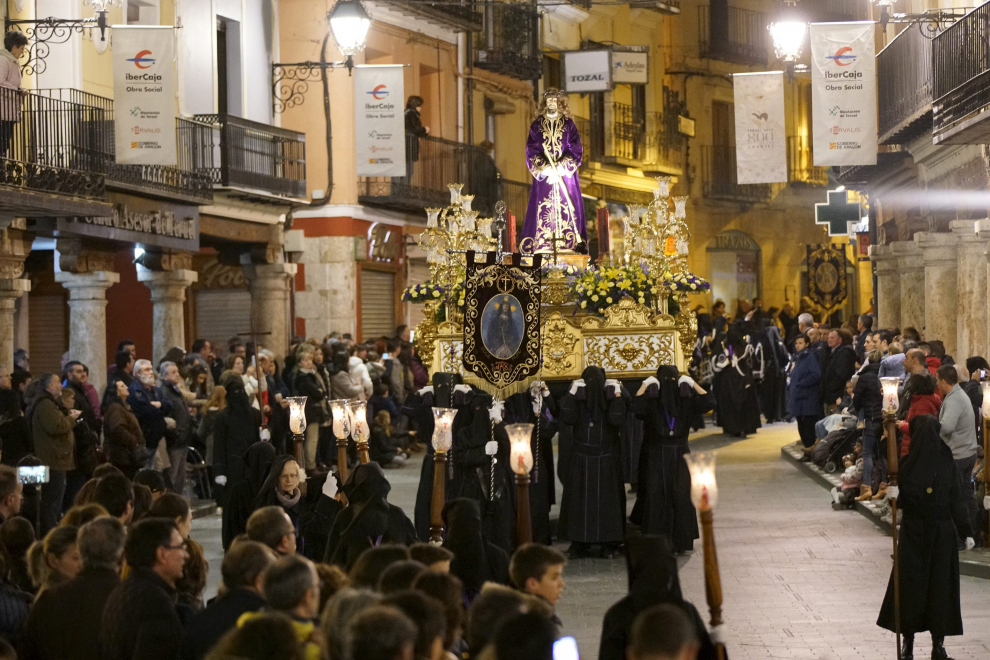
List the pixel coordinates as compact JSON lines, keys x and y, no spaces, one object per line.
{"x":723,"y":161}
{"x":228,"y":59}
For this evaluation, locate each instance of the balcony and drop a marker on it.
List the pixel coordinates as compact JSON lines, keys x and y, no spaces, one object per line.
{"x":46,"y":158}
{"x":515,"y":194}
{"x":961,"y":56}
{"x":800,"y":163}
{"x":440,"y":162}
{"x":669,"y":7}
{"x":255,"y":161}
{"x":454,"y":14}
{"x":622,"y":137}
{"x":734,"y":35}
{"x":510,"y":42}
{"x":719,"y":180}
{"x":829,"y":11}
{"x":904,"y":87}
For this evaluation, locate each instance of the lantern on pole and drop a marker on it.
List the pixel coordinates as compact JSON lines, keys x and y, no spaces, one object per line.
{"x":704,"y":496}
{"x":521,"y":462}
{"x":358,"y":412}
{"x":891,"y":401}
{"x":297,"y":425}
{"x":986,"y":437}
{"x":443,"y":440}
{"x":341,"y":429}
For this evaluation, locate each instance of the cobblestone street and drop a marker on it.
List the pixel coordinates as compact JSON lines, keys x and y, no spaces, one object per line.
{"x":799,"y":580}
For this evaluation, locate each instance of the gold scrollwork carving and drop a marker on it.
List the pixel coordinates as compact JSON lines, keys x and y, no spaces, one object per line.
{"x":559,"y":342}
{"x":555,"y":289}
{"x":627,"y":314}
{"x":629,"y":353}
{"x":426,"y":334}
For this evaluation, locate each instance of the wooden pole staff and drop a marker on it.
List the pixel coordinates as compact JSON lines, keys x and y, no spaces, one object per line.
{"x":524,"y":525}
{"x":342,"y":459}
{"x":439,"y":497}
{"x":893,"y":458}
{"x":713,"y":579}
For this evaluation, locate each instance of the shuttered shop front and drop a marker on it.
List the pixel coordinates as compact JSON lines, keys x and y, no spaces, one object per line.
{"x":377,"y":304}
{"x":222,"y":314}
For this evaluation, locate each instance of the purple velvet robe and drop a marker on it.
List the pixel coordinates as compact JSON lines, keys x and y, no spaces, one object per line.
{"x":552,"y":199}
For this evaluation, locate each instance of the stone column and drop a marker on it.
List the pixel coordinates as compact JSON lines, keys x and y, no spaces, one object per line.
{"x":971,"y":321}
{"x":911,"y":270}
{"x":941,"y":255}
{"x":888,"y":286}
{"x":168,"y":296}
{"x":269,"y":284}
{"x":88,"y":320}
{"x":10,"y":290}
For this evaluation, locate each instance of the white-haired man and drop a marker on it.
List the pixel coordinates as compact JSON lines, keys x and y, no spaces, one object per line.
{"x":178,"y":444}
{"x":152,"y":409}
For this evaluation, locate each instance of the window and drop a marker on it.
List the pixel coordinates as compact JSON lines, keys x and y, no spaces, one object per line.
{"x":143,"y":12}
{"x":553,"y":76}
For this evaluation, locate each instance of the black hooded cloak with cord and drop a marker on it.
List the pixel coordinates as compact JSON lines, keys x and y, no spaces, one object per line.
{"x":593,"y":504}
{"x":773,"y":387}
{"x":237,"y":427}
{"x":931,"y":498}
{"x":476,"y":559}
{"x":736,"y":397}
{"x":419,"y":409}
{"x":542,"y":495}
{"x":241,"y":498}
{"x":663,"y":497}
{"x":369,"y":520}
{"x":653,"y":580}
{"x":473,"y":472}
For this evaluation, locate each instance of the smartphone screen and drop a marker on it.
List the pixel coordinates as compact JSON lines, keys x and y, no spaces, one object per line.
{"x":33,"y":474}
{"x":566,"y":648}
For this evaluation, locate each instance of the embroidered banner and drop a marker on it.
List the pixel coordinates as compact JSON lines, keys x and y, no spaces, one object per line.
{"x":761,"y":142}
{"x":844,"y":93}
{"x":380,"y":129}
{"x":827,"y":285}
{"x":144,"y":95}
{"x":502,"y":317}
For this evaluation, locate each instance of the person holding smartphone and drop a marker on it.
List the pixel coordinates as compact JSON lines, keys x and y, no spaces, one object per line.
{"x":52,"y":427}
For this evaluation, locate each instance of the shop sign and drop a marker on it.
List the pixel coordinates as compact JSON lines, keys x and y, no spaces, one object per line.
{"x":587,"y":71}
{"x":630,"y":67}
{"x":384,"y":243}
{"x":141,"y":221}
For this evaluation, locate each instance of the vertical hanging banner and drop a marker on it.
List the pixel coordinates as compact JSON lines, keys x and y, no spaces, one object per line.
{"x":380,"y":128}
{"x":844,"y":93}
{"x":144,"y":94}
{"x":761,"y":147}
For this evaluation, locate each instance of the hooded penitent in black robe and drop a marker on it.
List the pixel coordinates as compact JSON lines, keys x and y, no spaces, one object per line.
{"x":653,"y":581}
{"x":473,"y":472}
{"x":737,"y":402}
{"x":476,"y":559}
{"x":542,"y":495}
{"x":663,"y":498}
{"x":593,"y":504}
{"x":369,"y":520}
{"x":241,"y":498}
{"x":418,"y":407}
{"x":931,"y":500}
{"x":773,"y":386}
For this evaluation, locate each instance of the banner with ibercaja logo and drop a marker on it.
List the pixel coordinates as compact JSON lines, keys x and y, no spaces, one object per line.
{"x":844,"y":93}
{"x":380,"y":125}
{"x":144,"y":94}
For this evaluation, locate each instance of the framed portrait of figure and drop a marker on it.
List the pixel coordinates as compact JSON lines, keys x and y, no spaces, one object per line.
{"x":502,"y":317}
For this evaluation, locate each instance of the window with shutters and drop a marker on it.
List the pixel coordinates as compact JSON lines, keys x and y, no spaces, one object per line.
{"x":377,"y":304}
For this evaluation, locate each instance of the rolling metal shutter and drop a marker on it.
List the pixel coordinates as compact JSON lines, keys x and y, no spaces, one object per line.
{"x":48,"y":339}
{"x":377,"y":304}
{"x":222,"y":314}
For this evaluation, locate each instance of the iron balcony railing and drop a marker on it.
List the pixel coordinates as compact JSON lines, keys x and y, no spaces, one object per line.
{"x":44,"y":146}
{"x":510,"y":41}
{"x":184,"y":180}
{"x":439,"y":163}
{"x":457,"y":14}
{"x":619,"y":134}
{"x":719,"y":180}
{"x":961,"y":57}
{"x":515,"y":194}
{"x":252,"y":155}
{"x":734,"y":35}
{"x":801,"y":163}
{"x":904,"y":87}
{"x":821,"y":11}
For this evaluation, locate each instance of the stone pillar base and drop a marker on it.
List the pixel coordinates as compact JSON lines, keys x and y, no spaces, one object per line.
{"x":168,"y":293}
{"x":88,"y":320}
{"x":10,"y":290}
{"x":941,"y":254}
{"x":269,"y":284}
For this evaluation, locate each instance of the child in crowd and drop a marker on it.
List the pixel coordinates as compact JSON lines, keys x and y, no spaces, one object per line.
{"x":844,"y":417}
{"x":663,"y":632}
{"x":434,"y":557}
{"x":381,"y":447}
{"x":844,"y":496}
{"x":538,"y":570}
{"x":382,"y":400}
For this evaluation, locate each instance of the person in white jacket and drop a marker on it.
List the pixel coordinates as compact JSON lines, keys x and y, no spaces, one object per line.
{"x":14,"y":45}
{"x":359,"y":371}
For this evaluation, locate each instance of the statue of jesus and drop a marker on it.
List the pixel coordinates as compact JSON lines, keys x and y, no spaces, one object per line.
{"x":553,"y":155}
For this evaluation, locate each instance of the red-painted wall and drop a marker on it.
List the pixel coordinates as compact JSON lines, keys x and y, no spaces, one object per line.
{"x":129,"y":309}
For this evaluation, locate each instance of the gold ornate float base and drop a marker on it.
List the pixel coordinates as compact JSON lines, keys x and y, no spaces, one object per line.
{"x":631,"y":341}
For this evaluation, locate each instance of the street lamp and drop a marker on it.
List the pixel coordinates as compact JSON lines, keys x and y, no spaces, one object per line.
{"x":358,"y":412}
{"x":297,"y":425}
{"x":443,"y":440}
{"x":349,"y":23}
{"x":341,"y":429}
{"x":521,"y":462}
{"x":704,"y":496}
{"x":788,"y":28}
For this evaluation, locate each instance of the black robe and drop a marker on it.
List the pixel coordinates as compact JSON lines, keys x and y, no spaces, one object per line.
{"x":542,"y":495}
{"x":241,"y":498}
{"x":737,"y":402}
{"x":369,"y":520}
{"x":653,"y":580}
{"x":931,"y":500}
{"x":476,"y":559}
{"x":663,"y":497}
{"x":593,"y":505}
{"x":774,"y":384}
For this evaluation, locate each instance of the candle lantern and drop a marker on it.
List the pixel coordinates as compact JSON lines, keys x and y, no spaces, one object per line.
{"x":521,"y":462}
{"x":358,"y":412}
{"x":455,"y":193}
{"x":704,"y":489}
{"x":986,"y":399}
{"x":704,"y":496}
{"x":341,"y":429}
{"x":297,"y":425}
{"x":680,"y":207}
{"x":888,"y":386}
{"x":431,"y":217}
{"x":663,"y":185}
{"x":443,"y":440}
{"x":466,"y":201}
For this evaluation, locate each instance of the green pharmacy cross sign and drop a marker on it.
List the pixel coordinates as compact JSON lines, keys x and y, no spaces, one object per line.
{"x":838,"y":213}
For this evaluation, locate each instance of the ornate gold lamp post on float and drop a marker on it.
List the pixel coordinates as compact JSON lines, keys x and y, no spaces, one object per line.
{"x":341,"y":430}
{"x":888,"y":389}
{"x":521,"y":462}
{"x":443,"y":440}
{"x":704,"y":496}
{"x":297,"y":426}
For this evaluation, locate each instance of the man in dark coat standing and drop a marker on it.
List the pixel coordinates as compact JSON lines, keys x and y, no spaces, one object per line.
{"x":65,"y":620}
{"x":593,"y":504}
{"x":54,"y":444}
{"x":243,"y":571}
{"x":802,"y":390}
{"x":149,"y":405}
{"x":839,"y":368}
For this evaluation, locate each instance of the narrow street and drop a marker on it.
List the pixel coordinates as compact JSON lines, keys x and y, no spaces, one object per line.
{"x":798,"y":579}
